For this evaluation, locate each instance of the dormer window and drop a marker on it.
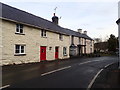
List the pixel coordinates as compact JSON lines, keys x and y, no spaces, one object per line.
{"x":19,"y":29}
{"x":43,"y":33}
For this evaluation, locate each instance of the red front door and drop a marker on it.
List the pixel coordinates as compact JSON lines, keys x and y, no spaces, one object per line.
{"x":42,"y":53}
{"x":56,"y":52}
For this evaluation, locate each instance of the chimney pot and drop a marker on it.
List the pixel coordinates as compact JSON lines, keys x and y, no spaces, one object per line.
{"x":55,"y":19}
{"x":80,"y":30}
{"x":85,"y":32}
{"x":54,"y":14}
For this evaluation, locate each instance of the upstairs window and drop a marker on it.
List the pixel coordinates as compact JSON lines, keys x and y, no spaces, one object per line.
{"x":19,"y":49}
{"x":61,"y":37}
{"x":72,"y":39}
{"x":19,"y":29}
{"x":91,"y":43}
{"x":43,"y":33}
{"x":82,"y":41}
{"x":79,"y":41}
{"x":85,"y":42}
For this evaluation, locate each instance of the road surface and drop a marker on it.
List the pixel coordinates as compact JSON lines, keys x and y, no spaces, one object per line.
{"x":71,"y":73}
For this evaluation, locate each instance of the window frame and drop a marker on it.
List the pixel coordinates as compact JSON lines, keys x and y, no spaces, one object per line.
{"x":85,"y":42}
{"x":20,"y":49}
{"x":19,"y":27}
{"x":82,"y":41}
{"x":64,"y":51}
{"x":72,"y":39}
{"x":43,"y":33}
{"x":91,"y":43}
{"x":91,"y":50}
{"x":61,"y":37}
{"x":79,"y":40}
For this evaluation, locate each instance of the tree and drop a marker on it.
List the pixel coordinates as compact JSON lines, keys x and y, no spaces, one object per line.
{"x":112,"y":43}
{"x":97,"y":40}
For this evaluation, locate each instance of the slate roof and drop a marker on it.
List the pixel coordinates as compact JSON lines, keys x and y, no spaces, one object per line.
{"x":14,"y":14}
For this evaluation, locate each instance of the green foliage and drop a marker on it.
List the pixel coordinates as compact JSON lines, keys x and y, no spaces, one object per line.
{"x":112,"y":43}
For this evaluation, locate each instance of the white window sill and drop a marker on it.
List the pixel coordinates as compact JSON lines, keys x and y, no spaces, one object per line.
{"x":44,"y":36}
{"x":23,"y":54}
{"x":20,"y":33}
{"x":65,"y":54}
{"x":61,"y":39}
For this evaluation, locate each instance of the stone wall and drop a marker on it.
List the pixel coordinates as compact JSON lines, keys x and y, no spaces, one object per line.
{"x":33,"y":40}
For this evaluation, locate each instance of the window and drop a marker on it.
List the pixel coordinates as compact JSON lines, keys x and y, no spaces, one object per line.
{"x":50,"y":48}
{"x":85,"y":42}
{"x":43,"y":33}
{"x":19,"y":49}
{"x":61,"y":37}
{"x":72,"y":39}
{"x":65,"y":51}
{"x":79,"y":41}
{"x":90,"y":50}
{"x":19,"y":29}
{"x":85,"y":50}
{"x":91,"y":43}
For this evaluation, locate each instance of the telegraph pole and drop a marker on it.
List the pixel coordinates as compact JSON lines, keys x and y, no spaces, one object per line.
{"x":119,"y":32}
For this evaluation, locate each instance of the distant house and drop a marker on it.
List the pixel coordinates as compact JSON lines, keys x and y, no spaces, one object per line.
{"x":101,"y":47}
{"x":28,"y":38}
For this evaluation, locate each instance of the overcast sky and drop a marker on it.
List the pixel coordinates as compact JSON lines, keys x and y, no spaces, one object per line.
{"x":98,"y":17}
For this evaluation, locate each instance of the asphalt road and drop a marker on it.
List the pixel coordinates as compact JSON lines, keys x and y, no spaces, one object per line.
{"x":71,"y":73}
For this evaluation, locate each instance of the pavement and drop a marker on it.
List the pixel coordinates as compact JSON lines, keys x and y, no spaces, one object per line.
{"x":108,"y":78}
{"x":72,"y":73}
